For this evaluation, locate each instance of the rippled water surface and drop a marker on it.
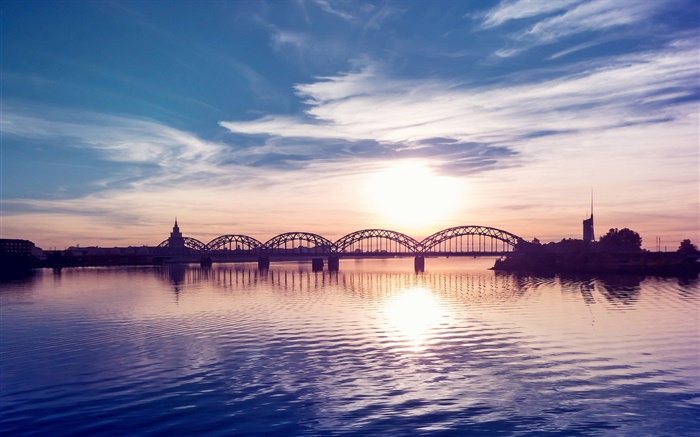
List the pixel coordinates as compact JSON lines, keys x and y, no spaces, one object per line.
{"x":375,"y":349}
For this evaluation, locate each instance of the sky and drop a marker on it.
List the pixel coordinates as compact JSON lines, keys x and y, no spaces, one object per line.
{"x":262,"y":117}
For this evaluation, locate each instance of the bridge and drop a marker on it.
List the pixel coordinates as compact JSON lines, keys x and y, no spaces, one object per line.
{"x":367,"y":243}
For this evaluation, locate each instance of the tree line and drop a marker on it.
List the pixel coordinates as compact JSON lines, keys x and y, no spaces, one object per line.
{"x":615,"y":240}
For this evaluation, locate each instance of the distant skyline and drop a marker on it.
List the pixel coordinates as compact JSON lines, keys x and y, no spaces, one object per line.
{"x":262,"y":117}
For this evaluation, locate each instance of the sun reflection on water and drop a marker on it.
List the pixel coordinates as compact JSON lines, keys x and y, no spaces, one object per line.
{"x":414,"y":314}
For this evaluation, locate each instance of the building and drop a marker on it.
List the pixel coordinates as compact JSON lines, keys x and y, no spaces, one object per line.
{"x":176,"y":241}
{"x":18,"y":247}
{"x":588,"y":232}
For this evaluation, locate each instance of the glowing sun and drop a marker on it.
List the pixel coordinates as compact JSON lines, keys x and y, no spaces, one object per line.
{"x":411,"y":195}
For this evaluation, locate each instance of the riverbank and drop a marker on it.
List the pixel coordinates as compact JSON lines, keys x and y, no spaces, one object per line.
{"x":646,"y":263}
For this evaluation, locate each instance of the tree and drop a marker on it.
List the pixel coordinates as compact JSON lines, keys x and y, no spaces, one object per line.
{"x":687,"y":247}
{"x":623,"y":240}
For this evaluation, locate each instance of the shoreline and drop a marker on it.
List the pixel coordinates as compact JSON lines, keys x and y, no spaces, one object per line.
{"x":638,"y":263}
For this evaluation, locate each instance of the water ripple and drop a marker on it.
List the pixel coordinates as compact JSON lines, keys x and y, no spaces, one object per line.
{"x":234,"y":351}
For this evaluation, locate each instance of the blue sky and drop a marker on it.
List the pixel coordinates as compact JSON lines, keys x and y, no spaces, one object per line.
{"x":325,"y":116}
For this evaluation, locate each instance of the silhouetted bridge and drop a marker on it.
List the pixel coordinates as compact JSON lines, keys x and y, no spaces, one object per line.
{"x":367,"y":243}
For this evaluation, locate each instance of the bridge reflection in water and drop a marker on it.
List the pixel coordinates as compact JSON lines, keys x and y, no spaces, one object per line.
{"x":368,"y":243}
{"x":361,"y":279}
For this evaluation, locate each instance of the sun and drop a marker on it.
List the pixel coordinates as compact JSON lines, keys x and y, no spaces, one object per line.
{"x":410,"y":195}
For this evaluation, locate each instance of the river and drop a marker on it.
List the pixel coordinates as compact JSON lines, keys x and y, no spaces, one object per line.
{"x":374,"y":349}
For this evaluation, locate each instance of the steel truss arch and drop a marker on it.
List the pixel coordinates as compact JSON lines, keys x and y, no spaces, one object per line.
{"x":189,"y":242}
{"x":433,"y":241}
{"x":243,"y":243}
{"x":409,"y":243}
{"x":278,"y":243}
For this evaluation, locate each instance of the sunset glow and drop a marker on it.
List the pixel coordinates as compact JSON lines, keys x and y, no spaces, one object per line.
{"x":356,"y":217}
{"x":411,"y":196}
{"x":331,"y":117}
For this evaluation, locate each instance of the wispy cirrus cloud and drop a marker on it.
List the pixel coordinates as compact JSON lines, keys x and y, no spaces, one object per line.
{"x":155,"y":158}
{"x":594,"y":15}
{"x":300,"y":40}
{"x":514,"y":10}
{"x":282,"y":39}
{"x":558,"y":19}
{"x":326,"y":6}
{"x":370,"y":105}
{"x":119,"y":138}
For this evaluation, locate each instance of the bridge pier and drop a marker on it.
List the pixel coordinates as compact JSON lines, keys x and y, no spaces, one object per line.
{"x":333,"y":263}
{"x":206,"y":261}
{"x":419,"y":264}
{"x":317,"y":264}
{"x":263,"y":263}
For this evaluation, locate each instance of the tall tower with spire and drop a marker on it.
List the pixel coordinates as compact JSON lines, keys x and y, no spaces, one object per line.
{"x":588,"y":232}
{"x":176,"y":241}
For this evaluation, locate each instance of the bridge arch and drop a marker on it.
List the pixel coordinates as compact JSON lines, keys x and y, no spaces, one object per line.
{"x":189,"y":242}
{"x":376,"y":241}
{"x":286,"y":244}
{"x":234,"y":243}
{"x":471,"y":239}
